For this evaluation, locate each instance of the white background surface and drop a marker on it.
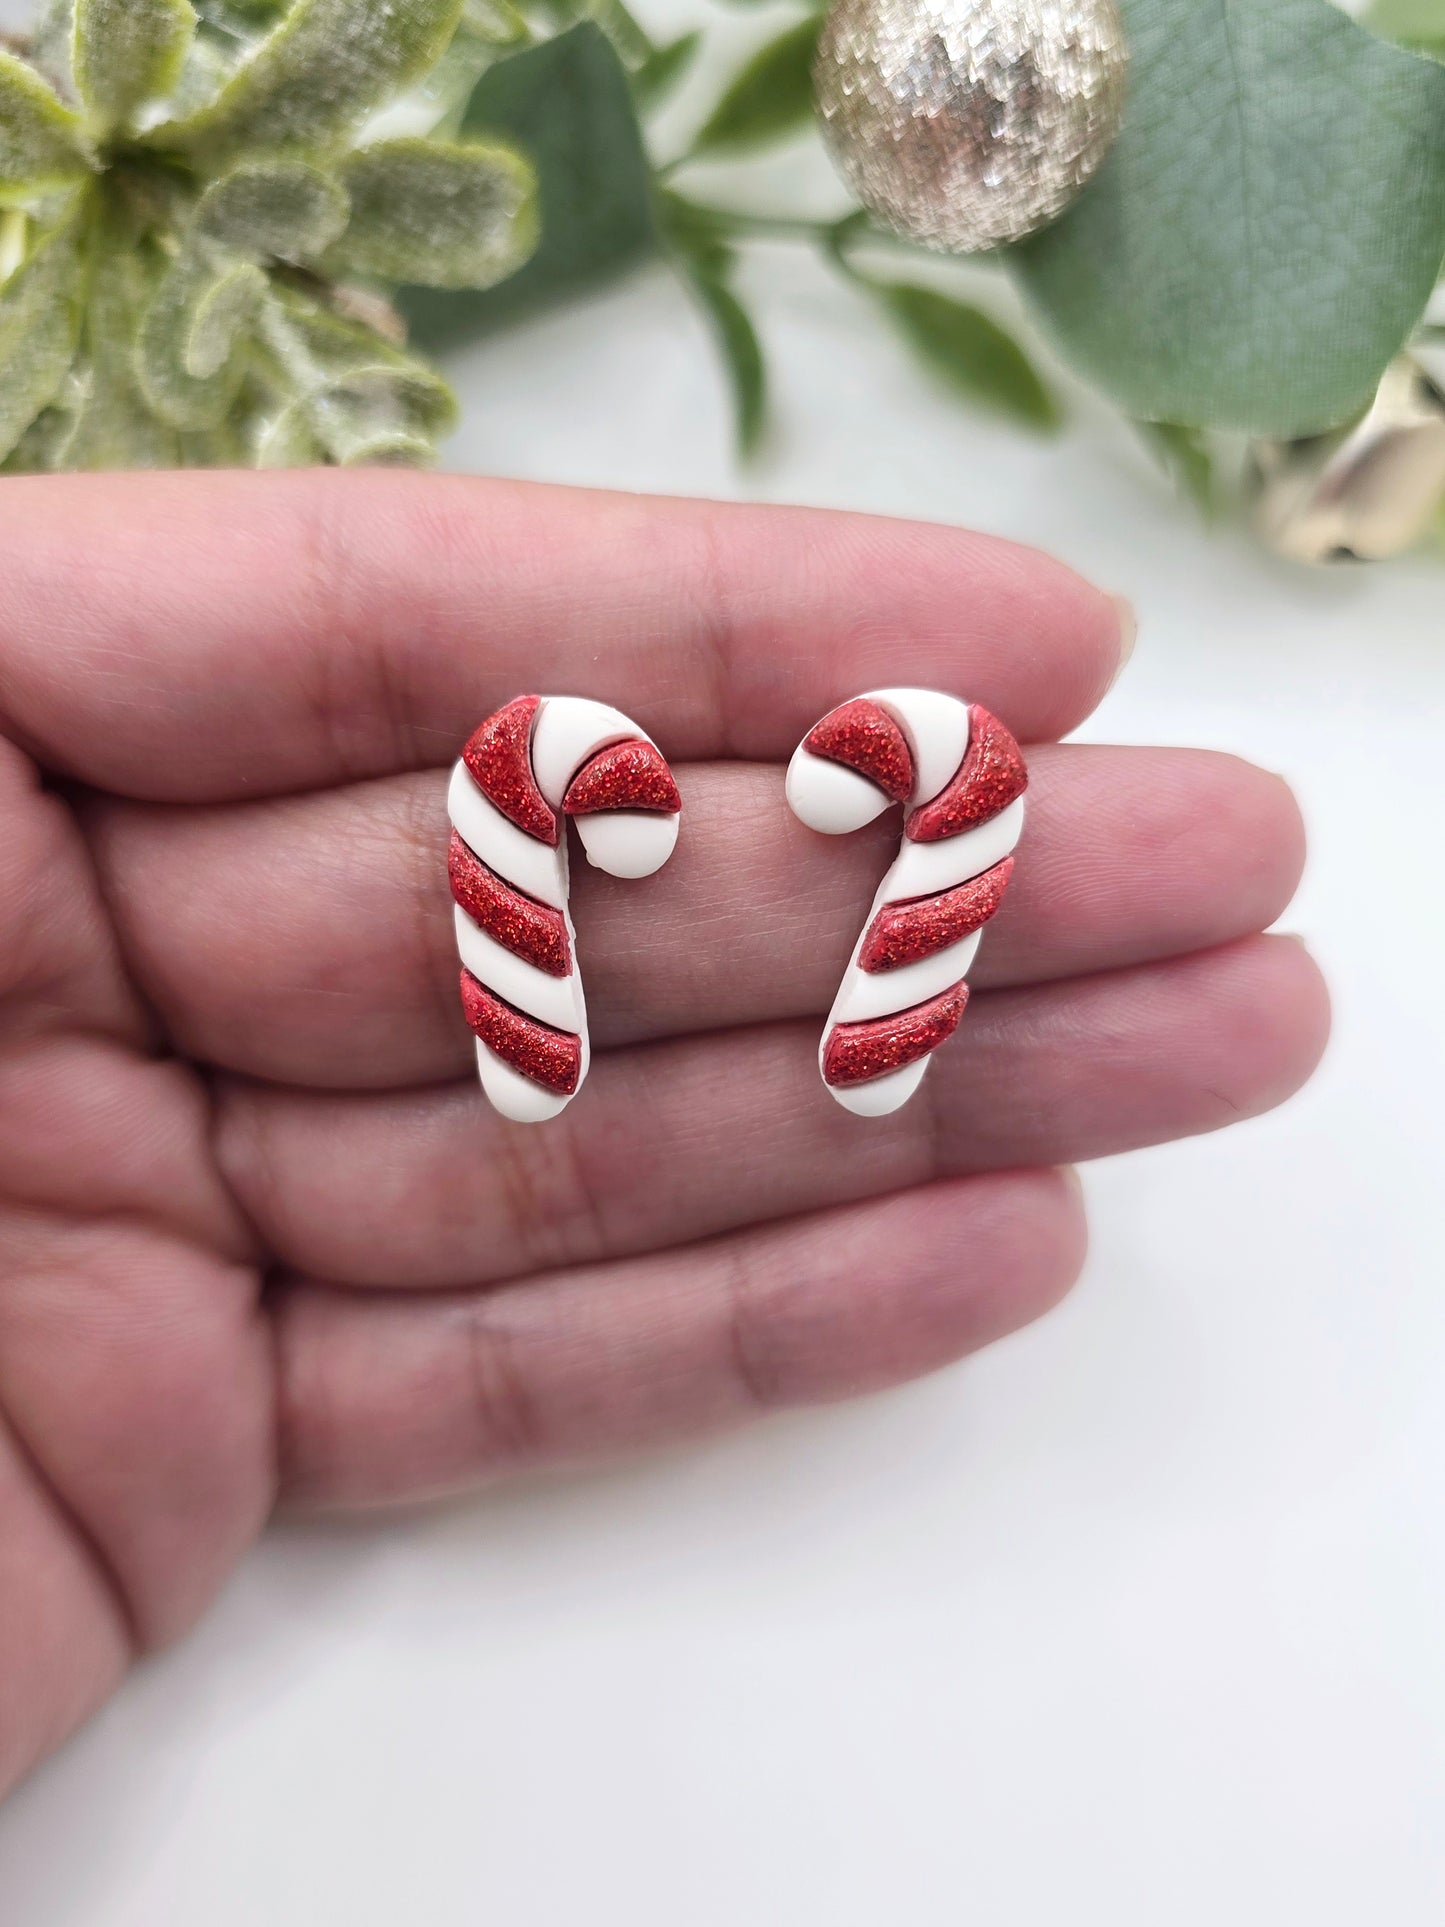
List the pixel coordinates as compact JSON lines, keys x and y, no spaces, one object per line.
{"x":1135,"y":1619}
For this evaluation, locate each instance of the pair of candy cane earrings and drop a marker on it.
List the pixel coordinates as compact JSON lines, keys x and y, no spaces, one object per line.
{"x":542,"y":759}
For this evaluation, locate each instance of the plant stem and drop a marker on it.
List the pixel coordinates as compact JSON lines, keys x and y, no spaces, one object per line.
{"x":833,"y":236}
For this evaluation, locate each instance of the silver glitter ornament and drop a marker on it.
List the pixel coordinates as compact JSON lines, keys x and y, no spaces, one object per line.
{"x":965,"y":124}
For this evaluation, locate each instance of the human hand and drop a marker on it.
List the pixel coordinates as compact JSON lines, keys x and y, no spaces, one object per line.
{"x":261,"y":1239}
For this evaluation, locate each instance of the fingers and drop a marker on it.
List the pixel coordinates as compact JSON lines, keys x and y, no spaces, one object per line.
{"x":64,"y":1640}
{"x":684,"y":1140}
{"x":135,"y":1371}
{"x":391,"y":1398}
{"x":310,"y":939}
{"x":209,"y":636}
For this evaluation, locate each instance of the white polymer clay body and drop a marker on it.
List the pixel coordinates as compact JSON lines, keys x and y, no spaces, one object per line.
{"x":960,"y":779}
{"x":531,"y":767}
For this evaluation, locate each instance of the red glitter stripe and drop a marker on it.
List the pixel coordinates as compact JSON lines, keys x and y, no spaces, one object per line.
{"x":865,"y":737}
{"x":499,"y":756}
{"x":519,"y":923}
{"x":904,"y":933}
{"x":552,"y":1058}
{"x":991,"y":776}
{"x":628,"y":776}
{"x":855,"y":1053}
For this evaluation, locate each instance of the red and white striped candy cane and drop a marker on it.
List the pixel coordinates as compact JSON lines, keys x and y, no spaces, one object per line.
{"x":960,"y":776}
{"x":527,"y":769}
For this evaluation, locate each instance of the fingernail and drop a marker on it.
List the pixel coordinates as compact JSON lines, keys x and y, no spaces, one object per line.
{"x":1128,"y":632}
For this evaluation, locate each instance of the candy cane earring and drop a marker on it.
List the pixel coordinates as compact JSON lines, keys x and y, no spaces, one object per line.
{"x":960,"y":776}
{"x":527,"y":769}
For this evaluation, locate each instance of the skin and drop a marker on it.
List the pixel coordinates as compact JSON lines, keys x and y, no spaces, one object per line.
{"x":262,"y":1242}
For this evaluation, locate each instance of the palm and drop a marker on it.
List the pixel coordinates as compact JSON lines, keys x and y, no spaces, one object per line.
{"x":261,"y":1239}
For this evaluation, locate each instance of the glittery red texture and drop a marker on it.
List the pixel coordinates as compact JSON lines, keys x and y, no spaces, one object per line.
{"x":865,"y":737}
{"x":855,"y":1053}
{"x":552,"y":1058}
{"x":628,"y":776}
{"x":904,"y":933}
{"x":499,"y":756}
{"x":991,"y":776}
{"x":519,"y":923}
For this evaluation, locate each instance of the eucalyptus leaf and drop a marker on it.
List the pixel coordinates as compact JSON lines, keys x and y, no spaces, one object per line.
{"x":281,"y":206}
{"x":318,"y":74}
{"x":1414,"y":23}
{"x":41,"y":141}
{"x":970,"y":352}
{"x":442,"y":214}
{"x":39,"y":320}
{"x":1268,"y":228}
{"x":567,"y":105}
{"x":770,"y":98}
{"x":742,"y":355}
{"x":128,"y":52}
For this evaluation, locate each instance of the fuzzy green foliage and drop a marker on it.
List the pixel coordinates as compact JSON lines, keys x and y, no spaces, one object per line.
{"x":199,"y":232}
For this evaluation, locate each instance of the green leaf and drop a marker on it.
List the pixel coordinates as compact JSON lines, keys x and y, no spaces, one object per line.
{"x":970,"y":352}
{"x":361,"y":399}
{"x":699,"y":234}
{"x":1414,"y":23}
{"x":567,"y":105}
{"x":1185,"y":456}
{"x":220,"y":318}
{"x":281,"y":206}
{"x":742,"y":354}
{"x":285,"y":440}
{"x":127,"y":52}
{"x":44,"y":448}
{"x":664,"y":67}
{"x":39,"y":320}
{"x":771,"y":98}
{"x":1266,"y":232}
{"x":41,"y":142}
{"x":209,"y":63}
{"x":621,"y":29}
{"x":237,"y":16}
{"x":112,"y":427}
{"x":313,"y":80}
{"x":495,"y":21}
{"x":172,"y":387}
{"x":50,"y":45}
{"x":441,"y":214}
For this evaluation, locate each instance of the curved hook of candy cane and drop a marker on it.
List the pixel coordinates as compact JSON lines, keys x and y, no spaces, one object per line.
{"x":530,"y":766}
{"x":960,"y":776}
